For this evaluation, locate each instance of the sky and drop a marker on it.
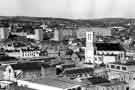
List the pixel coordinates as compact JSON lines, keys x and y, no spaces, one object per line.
{"x":75,"y":9}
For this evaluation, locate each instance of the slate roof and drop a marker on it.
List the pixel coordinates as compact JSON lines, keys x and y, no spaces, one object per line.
{"x":113,"y":84}
{"x":96,"y":80}
{"x":28,"y":66}
{"x":109,"y":47}
{"x":7,"y":58}
{"x":61,"y":83}
{"x":78,"y":70}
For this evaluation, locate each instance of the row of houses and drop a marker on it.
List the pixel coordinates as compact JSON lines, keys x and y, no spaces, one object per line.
{"x":23,"y":53}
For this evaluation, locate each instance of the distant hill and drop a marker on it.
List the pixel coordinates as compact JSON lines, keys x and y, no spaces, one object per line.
{"x":80,"y":22}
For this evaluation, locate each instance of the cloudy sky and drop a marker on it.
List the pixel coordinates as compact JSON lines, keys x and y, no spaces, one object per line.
{"x":80,"y":9}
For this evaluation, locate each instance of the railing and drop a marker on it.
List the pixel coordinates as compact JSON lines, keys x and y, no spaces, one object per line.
{"x":19,"y":76}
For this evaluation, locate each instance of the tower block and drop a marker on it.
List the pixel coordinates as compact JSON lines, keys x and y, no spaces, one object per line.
{"x":89,"y":51}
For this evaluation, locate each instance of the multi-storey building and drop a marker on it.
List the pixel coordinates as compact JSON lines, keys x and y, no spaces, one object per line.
{"x":123,"y":72}
{"x":23,"y":53}
{"x":38,"y":35}
{"x":4,"y":33}
{"x":102,"y":52}
{"x":89,"y":51}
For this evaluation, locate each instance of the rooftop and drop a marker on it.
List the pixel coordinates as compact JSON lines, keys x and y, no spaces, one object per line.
{"x":97,"y":80}
{"x":112,"y":84}
{"x":109,"y":47}
{"x":78,"y":70}
{"x":58,"y":82}
{"x":27,"y":66}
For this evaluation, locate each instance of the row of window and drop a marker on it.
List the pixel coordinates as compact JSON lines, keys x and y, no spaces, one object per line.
{"x":78,"y":88}
{"x":31,"y":54}
{"x":117,"y":67}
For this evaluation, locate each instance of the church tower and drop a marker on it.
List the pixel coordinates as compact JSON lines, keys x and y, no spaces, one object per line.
{"x":89,"y":51}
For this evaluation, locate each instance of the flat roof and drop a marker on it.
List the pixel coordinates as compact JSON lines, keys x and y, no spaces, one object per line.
{"x":58,"y":82}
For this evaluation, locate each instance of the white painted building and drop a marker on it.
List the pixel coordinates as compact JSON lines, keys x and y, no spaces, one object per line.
{"x":102,"y":52}
{"x":56,"y":35}
{"x":4,"y":33}
{"x":123,"y":72}
{"x":89,"y":51}
{"x":37,"y":36}
{"x":6,"y":72}
{"x":23,"y":53}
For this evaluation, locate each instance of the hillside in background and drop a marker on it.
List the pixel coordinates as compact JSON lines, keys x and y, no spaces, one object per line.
{"x":91,"y":22}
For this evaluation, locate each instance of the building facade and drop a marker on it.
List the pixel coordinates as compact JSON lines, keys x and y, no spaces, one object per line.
{"x":23,"y":53}
{"x":89,"y":51}
{"x":4,"y":33}
{"x":38,"y":34}
{"x":102,"y":52}
{"x":6,"y":72}
{"x":122,"y":72}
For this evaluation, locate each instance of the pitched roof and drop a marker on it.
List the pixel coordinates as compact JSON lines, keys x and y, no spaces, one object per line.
{"x":109,"y":47}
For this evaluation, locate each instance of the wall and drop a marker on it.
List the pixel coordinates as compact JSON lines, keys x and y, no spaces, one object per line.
{"x":32,"y":75}
{"x":9,"y":73}
{"x":109,"y":59}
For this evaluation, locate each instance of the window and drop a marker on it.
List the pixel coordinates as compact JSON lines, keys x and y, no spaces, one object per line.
{"x":107,"y":66}
{"x":127,"y":88}
{"x":9,"y":70}
{"x":89,"y":36}
{"x":112,"y":66}
{"x":124,"y":68}
{"x":79,"y":88}
{"x":118,"y":67}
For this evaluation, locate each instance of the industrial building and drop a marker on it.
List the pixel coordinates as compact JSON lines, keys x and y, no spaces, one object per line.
{"x":123,"y":72}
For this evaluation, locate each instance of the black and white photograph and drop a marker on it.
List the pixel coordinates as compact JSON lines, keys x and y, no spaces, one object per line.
{"x":67,"y":44}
